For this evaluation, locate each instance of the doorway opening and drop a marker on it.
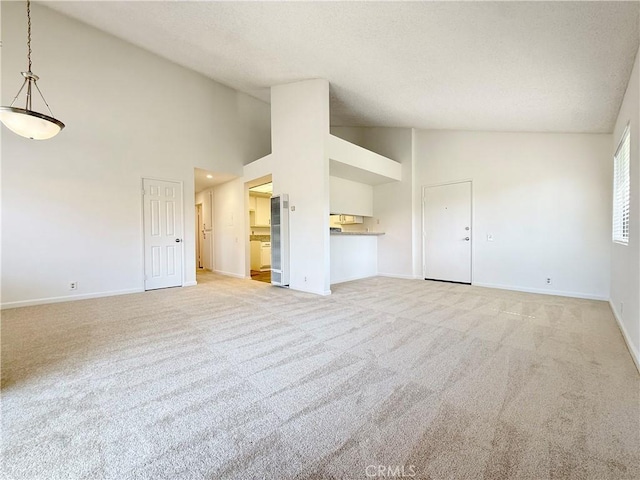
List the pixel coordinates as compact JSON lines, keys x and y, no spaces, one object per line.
{"x":205,"y":184}
{"x":260,"y":231}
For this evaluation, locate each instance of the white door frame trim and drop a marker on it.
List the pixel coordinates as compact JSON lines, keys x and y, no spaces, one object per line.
{"x":212,"y":244}
{"x":198,"y":244}
{"x":144,"y":253}
{"x":422,"y":204}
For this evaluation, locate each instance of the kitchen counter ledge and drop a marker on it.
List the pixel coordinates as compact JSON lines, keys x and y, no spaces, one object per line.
{"x":358,"y":233}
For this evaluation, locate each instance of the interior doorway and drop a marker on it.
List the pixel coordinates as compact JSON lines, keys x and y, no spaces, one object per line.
{"x":447,"y":235}
{"x":210,"y":221}
{"x":260,"y":231}
{"x":203,"y":217}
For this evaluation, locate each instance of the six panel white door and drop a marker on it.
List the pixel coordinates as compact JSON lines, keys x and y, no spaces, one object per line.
{"x":447,"y":232}
{"x":162,"y":234}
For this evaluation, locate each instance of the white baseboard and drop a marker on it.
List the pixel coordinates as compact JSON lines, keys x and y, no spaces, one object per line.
{"x":558,"y":293}
{"x":314,"y":292}
{"x":68,"y":298}
{"x":635,"y":354}
{"x":357,"y":277}
{"x":397,"y":275}
{"x":230,"y":274}
{"x":192,"y":283}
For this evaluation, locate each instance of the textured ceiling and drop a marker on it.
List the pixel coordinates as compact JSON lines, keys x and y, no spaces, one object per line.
{"x":202,"y":182}
{"x":513,"y":66}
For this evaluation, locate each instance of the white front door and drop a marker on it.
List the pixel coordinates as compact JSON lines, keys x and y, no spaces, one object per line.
{"x":446,"y":221}
{"x":162,"y":234}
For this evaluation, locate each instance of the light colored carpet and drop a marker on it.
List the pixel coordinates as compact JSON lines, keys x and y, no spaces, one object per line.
{"x":238,"y":379}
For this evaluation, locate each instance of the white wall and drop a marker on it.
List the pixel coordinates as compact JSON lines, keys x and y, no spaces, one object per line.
{"x":392,"y":202}
{"x":353,"y":257}
{"x":230,"y":235}
{"x":350,"y":198}
{"x":71,"y":206}
{"x":545,"y":198}
{"x":625,"y":259}
{"x":356,"y":163}
{"x":299,"y":167}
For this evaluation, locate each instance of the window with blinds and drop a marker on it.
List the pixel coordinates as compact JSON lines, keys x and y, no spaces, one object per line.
{"x":621,"y":180}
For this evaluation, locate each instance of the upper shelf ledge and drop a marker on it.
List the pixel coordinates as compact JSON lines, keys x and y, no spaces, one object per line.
{"x":358,"y":164}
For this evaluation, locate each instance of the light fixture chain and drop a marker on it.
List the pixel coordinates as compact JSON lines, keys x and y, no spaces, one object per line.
{"x":29,"y":33}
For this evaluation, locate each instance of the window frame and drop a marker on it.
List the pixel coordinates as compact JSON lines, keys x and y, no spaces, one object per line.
{"x":620,"y":206}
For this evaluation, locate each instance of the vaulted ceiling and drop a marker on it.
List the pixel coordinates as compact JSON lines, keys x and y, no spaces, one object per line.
{"x":511,"y":66}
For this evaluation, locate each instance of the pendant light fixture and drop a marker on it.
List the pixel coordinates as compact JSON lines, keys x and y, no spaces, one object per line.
{"x":25,"y":121}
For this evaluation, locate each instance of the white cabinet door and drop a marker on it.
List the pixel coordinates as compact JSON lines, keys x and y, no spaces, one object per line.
{"x":351,"y":219}
{"x":263,"y":211}
{"x":255,"y":255}
{"x":265,"y":257}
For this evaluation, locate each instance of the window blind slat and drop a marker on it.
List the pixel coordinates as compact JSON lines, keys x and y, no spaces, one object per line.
{"x":621,"y":189}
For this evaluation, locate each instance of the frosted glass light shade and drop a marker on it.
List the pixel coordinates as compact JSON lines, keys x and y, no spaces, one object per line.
{"x":30,"y":124}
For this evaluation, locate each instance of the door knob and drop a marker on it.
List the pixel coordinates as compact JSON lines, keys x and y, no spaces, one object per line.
{"x":178,"y":240}
{"x":466,"y":239}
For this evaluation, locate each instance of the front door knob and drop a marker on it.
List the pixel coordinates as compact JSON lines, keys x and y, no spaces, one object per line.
{"x":466,"y":239}
{"x":178,"y":240}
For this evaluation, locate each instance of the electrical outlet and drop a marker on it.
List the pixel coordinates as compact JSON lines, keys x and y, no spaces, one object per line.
{"x":73,"y":286}
{"x":548,"y":281}
{"x":305,"y":279}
